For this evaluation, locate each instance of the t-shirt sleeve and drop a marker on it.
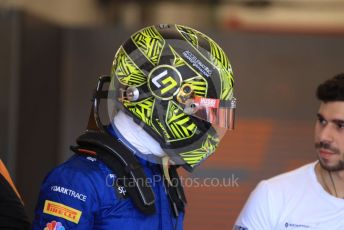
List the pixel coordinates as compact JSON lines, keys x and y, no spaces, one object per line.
{"x":257,"y":213}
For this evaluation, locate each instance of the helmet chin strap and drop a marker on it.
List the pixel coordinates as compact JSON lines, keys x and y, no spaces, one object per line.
{"x":165,"y":167}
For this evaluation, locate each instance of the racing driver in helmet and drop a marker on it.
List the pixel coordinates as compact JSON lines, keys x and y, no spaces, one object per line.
{"x":169,"y":102}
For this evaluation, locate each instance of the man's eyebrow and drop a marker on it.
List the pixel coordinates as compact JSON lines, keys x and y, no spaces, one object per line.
{"x":320,"y":116}
{"x":338,"y":121}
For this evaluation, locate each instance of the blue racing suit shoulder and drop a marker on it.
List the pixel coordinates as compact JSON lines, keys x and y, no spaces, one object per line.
{"x":73,"y":192}
{"x":80,"y":194}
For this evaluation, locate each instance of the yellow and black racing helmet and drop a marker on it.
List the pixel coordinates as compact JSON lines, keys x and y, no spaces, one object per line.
{"x":177,"y":84}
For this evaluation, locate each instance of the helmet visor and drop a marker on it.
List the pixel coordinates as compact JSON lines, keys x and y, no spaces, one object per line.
{"x":219,"y":113}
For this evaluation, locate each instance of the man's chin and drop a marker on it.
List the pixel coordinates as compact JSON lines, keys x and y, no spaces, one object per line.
{"x":329,"y":166}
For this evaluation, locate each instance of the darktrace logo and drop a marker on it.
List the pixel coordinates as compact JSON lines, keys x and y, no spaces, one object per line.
{"x":292,"y":225}
{"x":164,"y":81}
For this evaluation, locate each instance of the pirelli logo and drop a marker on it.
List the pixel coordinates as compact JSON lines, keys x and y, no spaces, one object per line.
{"x":63,"y":211}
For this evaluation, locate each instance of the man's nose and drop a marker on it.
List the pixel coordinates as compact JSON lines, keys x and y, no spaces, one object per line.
{"x":326,"y":134}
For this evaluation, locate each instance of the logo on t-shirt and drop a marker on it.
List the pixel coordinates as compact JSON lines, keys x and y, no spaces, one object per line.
{"x":237,"y":227}
{"x":292,"y":225}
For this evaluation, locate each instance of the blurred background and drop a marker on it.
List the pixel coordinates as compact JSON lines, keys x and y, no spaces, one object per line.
{"x":52,"y":52}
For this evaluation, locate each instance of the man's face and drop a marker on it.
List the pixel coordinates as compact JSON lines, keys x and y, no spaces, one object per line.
{"x":329,"y":135}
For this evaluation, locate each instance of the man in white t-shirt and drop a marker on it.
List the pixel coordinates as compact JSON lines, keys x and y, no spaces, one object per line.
{"x":310,"y":197}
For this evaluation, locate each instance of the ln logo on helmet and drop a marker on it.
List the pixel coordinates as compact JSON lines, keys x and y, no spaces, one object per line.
{"x":164,"y":81}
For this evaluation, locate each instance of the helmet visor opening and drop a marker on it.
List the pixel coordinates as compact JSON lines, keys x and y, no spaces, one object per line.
{"x":217,"y":112}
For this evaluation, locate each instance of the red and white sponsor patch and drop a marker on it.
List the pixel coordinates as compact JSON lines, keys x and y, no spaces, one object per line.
{"x":207,"y":102}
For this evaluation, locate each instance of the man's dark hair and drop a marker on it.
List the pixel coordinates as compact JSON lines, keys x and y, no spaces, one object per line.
{"x":332,"y":89}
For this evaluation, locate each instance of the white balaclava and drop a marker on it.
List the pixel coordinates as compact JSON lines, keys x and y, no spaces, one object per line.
{"x":137,"y":136}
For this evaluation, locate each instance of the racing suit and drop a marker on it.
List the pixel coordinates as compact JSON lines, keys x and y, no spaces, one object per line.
{"x":80,"y":194}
